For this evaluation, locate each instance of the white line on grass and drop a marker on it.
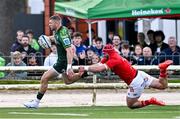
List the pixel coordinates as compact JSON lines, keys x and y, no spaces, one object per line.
{"x":177,"y":117}
{"x":51,"y":114}
{"x":144,"y":112}
{"x":89,"y":118}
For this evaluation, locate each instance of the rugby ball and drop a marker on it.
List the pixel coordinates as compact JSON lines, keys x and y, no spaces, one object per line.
{"x":44,"y":41}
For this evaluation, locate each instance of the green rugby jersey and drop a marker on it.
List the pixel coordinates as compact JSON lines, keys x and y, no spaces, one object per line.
{"x":63,"y":41}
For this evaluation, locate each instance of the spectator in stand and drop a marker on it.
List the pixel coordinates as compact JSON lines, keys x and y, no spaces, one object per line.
{"x":51,"y":59}
{"x":137,"y":51}
{"x":110,"y":37}
{"x":116,"y":41}
{"x":152,"y":45}
{"x":25,"y":48}
{"x":160,"y":45}
{"x":80,"y":48}
{"x":2,"y":63}
{"x":125,"y":52}
{"x":32,"y":60}
{"x":98,"y":46}
{"x":17,"y":61}
{"x":93,"y":36}
{"x":71,"y":31}
{"x":141,"y":39}
{"x":32,"y":41}
{"x":17,"y":43}
{"x":93,"y":42}
{"x":89,"y":54}
{"x":147,"y":58}
{"x":77,"y":42}
{"x":82,"y":58}
{"x":95,"y":59}
{"x":172,"y":52}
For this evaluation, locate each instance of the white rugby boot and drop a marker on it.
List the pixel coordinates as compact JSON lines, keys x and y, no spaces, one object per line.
{"x":32,"y":104}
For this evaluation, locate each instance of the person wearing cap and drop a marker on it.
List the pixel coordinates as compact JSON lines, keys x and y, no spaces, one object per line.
{"x":136,"y":80}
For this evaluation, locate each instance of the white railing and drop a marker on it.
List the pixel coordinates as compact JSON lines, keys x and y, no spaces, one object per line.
{"x":45,"y":68}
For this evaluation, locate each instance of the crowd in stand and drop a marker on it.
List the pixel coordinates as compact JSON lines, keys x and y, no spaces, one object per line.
{"x":26,"y":51}
{"x":141,"y":53}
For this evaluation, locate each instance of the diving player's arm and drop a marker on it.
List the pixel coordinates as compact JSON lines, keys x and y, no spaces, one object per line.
{"x":97,"y":68}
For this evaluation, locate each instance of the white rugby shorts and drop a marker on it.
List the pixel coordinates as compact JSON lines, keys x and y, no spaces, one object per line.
{"x":141,"y":81}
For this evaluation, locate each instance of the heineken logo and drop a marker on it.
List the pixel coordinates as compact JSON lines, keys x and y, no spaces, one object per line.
{"x":151,"y":12}
{"x":69,"y":11}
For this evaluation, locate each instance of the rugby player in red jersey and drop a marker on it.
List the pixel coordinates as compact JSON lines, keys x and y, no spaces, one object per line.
{"x":135,"y":79}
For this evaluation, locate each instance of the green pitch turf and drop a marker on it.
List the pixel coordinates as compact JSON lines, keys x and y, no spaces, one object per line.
{"x":151,"y":112}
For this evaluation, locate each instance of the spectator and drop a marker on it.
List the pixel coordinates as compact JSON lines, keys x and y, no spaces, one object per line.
{"x":2,"y":63}
{"x":152,"y":45}
{"x":86,"y":41}
{"x":25,"y":48}
{"x":125,"y":52}
{"x":77,"y":42}
{"x":79,"y":57}
{"x":116,"y":41}
{"x":137,"y":51}
{"x":172,"y":52}
{"x":160,"y":45}
{"x":32,"y":61}
{"x":32,"y":41}
{"x":95,"y":59}
{"x":89,"y":54}
{"x":51,"y":59}
{"x":141,"y":39}
{"x":71,"y":31}
{"x":110,"y":37}
{"x":17,"y":43}
{"x":82,"y":58}
{"x":98,"y":46}
{"x":17,"y":61}
{"x":93,"y":42}
{"x":147,"y":58}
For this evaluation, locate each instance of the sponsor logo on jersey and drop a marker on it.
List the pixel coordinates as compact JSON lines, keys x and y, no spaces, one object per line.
{"x":66,"y":41}
{"x":64,"y":34}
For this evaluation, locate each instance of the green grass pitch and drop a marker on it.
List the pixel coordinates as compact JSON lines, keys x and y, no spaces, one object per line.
{"x":95,"y":112}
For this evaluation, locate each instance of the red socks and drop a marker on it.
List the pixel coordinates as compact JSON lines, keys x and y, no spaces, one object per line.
{"x":145,"y":103}
{"x":152,"y":101}
{"x":163,"y":73}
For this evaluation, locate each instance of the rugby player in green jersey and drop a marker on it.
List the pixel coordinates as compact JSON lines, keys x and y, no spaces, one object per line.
{"x":64,"y":61}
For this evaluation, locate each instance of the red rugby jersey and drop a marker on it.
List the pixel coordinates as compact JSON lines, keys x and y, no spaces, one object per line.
{"x":121,"y":67}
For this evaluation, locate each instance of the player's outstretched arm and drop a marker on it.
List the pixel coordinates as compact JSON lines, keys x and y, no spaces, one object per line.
{"x":97,"y":68}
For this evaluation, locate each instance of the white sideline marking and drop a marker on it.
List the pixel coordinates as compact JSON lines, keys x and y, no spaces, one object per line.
{"x":177,"y":117}
{"x":54,"y":114}
{"x":148,"y":112}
